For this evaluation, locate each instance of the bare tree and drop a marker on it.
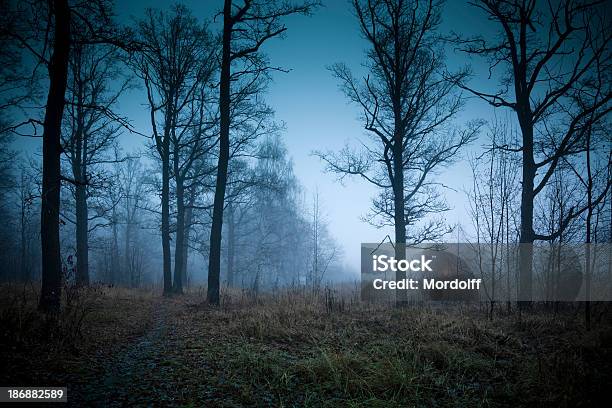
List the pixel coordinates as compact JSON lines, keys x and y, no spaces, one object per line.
{"x":545,"y":50}
{"x":492,"y":202}
{"x":175,"y":66}
{"x":562,"y":193}
{"x":324,"y":249}
{"x":91,"y":130}
{"x":246,"y":27}
{"x":191,"y":146}
{"x":596,"y":169}
{"x":47,"y":31}
{"x":408,"y":104}
{"x":239,"y":201}
{"x":49,"y":226}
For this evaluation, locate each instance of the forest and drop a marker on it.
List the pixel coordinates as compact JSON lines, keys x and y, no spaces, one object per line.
{"x":193,"y":196}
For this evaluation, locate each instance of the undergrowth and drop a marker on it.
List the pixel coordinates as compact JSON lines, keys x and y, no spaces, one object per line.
{"x":295,"y":349}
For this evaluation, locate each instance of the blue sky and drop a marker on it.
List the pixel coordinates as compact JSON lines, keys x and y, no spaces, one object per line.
{"x":317,"y":115}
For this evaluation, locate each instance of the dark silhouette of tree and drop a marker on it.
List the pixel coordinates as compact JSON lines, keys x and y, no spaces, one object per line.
{"x":51,"y":183}
{"x":176,"y":65}
{"x":595,"y":175}
{"x":407,"y":106}
{"x":91,"y":130}
{"x":192,"y":144}
{"x":546,"y":50}
{"x":246,"y":27}
{"x":47,"y":31}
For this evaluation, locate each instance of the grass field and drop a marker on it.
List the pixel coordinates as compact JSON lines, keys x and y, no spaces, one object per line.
{"x":116,"y":347}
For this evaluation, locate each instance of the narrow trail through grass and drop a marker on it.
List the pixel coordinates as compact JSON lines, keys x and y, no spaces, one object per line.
{"x":142,"y":370}
{"x":294,"y":350}
{"x":132,"y":370}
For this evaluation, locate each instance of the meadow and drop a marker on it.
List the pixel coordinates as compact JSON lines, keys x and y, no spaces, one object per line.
{"x":118,"y":347}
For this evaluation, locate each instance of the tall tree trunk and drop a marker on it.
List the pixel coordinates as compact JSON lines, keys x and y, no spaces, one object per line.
{"x":508,"y":257}
{"x":188,"y":223}
{"x":558,"y":265}
{"x":610,"y":240}
{"x":82,"y":273}
{"x":317,"y":239}
{"x":589,"y":216}
{"x":214,"y":258}
{"x":399,"y":214}
{"x":126,"y":250}
{"x":179,"y":249}
{"x":231,"y":244}
{"x":114,"y":251}
{"x":527,"y":233}
{"x":79,"y":171}
{"x":165,"y":216}
{"x":24,"y":273}
{"x":185,"y":251}
{"x":50,"y":294}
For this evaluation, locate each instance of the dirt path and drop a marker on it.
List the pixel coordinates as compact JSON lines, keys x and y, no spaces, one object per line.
{"x":136,"y":374}
{"x":146,"y":351}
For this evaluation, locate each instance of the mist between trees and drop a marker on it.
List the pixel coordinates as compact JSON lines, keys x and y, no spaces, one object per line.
{"x":211,"y":197}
